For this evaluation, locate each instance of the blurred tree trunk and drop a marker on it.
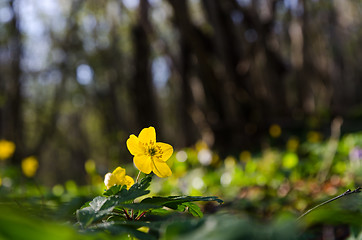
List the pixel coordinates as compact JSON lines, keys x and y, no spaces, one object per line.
{"x":142,"y":88}
{"x":186,"y":102}
{"x":107,"y":99}
{"x":301,"y":58}
{"x":11,"y":108}
{"x":70,"y":44}
{"x":230,"y":108}
{"x":342,"y":94}
{"x":309,"y":76}
{"x":275,"y":65}
{"x":218,"y":109}
{"x":227,"y":56}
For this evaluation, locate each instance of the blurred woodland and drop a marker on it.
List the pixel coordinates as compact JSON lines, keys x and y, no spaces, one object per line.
{"x":78,"y":77}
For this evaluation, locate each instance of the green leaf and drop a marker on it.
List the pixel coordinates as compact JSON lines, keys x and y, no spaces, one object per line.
{"x":98,"y":208}
{"x":181,"y":207}
{"x":85,"y":205}
{"x":16,"y":223}
{"x":139,"y":206}
{"x":159,"y":211}
{"x":193,"y":209}
{"x":85,"y":216}
{"x":356,"y":232}
{"x":137,"y":190}
{"x":174,"y":201}
{"x":119,"y":228}
{"x":114,"y":190}
{"x":97,"y":203}
{"x":101,"y":206}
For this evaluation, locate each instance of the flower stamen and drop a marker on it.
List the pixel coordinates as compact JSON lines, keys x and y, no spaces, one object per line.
{"x":152,"y":151}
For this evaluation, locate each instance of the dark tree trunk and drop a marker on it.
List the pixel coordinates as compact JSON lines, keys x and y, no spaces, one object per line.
{"x":186,"y":103}
{"x":11,"y":110}
{"x":142,"y":88}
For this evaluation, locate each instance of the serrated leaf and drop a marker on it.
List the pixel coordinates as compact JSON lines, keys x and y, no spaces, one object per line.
{"x":101,"y":206}
{"x":97,"y":203}
{"x":85,"y":216}
{"x":85,"y":205}
{"x":193,"y":209}
{"x":181,"y":208}
{"x":140,"y":206}
{"x":114,"y":190}
{"x":174,"y":201}
{"x":98,"y":208}
{"x":88,"y":215}
{"x":137,"y":190}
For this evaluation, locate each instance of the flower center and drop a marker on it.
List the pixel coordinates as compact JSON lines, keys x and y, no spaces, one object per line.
{"x":150,"y":148}
{"x":152,"y":151}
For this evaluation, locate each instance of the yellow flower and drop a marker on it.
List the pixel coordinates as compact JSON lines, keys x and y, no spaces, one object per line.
{"x":90,"y":166}
{"x":118,"y":177}
{"x":150,"y":155}
{"x":245,"y":156}
{"x":7,"y":149}
{"x":275,"y":130}
{"x":29,"y":166}
{"x":292,"y":144}
{"x":314,"y":137}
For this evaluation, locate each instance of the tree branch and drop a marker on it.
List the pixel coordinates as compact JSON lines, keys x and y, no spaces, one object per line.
{"x":348,"y":192}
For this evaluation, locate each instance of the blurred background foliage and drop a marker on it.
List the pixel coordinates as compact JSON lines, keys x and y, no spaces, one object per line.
{"x":260,"y":99}
{"x":76,"y":78}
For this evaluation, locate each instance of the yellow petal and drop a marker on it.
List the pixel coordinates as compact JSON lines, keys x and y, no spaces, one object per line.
{"x":134,"y":146}
{"x":119,"y":173}
{"x":143,"y":163}
{"x":7,"y":149}
{"x":128,"y":181}
{"x":29,"y":166}
{"x":161,"y":169}
{"x":147,"y":135}
{"x":165,"y":153}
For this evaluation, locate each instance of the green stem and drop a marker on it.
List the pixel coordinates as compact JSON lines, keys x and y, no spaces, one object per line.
{"x":40,"y":192}
{"x":141,"y":215}
{"x":348,"y":192}
{"x":138,"y":176}
{"x":127,"y":215}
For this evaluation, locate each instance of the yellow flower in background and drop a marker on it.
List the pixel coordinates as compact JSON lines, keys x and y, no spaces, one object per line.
{"x":7,"y":149}
{"x":90,"y":166}
{"x":275,"y":130}
{"x":150,"y":155}
{"x":29,"y":166}
{"x":314,"y":136}
{"x":118,"y":177}
{"x":245,"y":156}
{"x":292,"y":144}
